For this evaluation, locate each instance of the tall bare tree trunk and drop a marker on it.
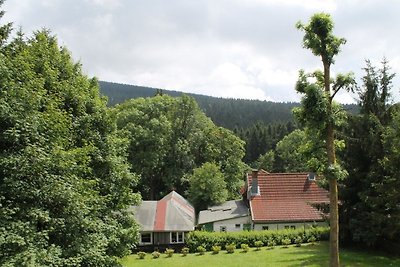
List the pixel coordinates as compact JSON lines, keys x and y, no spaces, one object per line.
{"x":333,"y":190}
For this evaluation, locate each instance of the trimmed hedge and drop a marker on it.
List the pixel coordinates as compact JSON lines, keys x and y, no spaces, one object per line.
{"x":210,"y":239}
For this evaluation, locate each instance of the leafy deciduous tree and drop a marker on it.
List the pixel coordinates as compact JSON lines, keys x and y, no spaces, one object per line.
{"x":169,"y":137}
{"x":318,"y":111}
{"x":64,"y":178}
{"x":207,"y":186}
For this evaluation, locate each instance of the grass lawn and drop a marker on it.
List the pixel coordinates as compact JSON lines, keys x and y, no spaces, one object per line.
{"x":306,"y":255}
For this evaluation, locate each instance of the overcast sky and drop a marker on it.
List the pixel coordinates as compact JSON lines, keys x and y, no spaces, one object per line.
{"x":225,"y":48}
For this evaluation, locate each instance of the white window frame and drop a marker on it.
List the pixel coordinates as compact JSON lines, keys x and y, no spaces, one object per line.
{"x":177,"y":234}
{"x":151,"y":238}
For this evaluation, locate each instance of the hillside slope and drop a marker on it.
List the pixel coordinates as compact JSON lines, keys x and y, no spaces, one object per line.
{"x":228,"y":113}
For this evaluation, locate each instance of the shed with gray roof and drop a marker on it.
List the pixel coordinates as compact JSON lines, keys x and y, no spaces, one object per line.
{"x":230,"y":216}
{"x":164,"y":222}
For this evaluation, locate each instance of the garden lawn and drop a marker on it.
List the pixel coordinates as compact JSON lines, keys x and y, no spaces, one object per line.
{"x":306,"y":255}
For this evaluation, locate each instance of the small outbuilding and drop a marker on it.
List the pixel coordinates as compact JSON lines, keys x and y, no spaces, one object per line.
{"x":164,"y":223}
{"x":230,"y":216}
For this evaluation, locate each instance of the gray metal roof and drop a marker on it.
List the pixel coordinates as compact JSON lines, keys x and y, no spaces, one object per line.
{"x":228,"y":210}
{"x":145,"y":215}
{"x":171,"y":213}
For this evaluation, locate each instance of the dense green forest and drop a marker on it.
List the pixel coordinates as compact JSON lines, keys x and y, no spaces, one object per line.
{"x":227,"y":113}
{"x":261,"y":124}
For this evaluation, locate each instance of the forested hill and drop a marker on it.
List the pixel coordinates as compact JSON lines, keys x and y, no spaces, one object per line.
{"x":228,"y":113}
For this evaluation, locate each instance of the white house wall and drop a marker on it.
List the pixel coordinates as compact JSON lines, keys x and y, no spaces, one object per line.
{"x":230,"y":224}
{"x":279,"y":226}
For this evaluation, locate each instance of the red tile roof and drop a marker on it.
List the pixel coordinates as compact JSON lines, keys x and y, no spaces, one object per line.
{"x":286,"y":197}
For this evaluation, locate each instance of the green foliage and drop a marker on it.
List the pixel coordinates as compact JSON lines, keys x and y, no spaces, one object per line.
{"x":245,"y":248}
{"x":258,"y":244}
{"x":318,"y":37}
{"x":371,"y":193}
{"x":141,"y":255}
{"x":298,"y":240}
{"x":216,"y":249}
{"x":169,"y":252}
{"x":261,"y":138}
{"x":155,"y":254}
{"x":266,"y":161}
{"x":230,"y":248}
{"x":169,"y":137}
{"x":185,"y":251}
{"x":201,"y":250}
{"x":319,"y":113}
{"x":5,"y":29}
{"x":286,"y":242}
{"x":271,"y":243}
{"x":227,"y":113}
{"x":207,"y":186}
{"x":64,"y":178}
{"x":271,"y":237}
{"x":290,"y":152}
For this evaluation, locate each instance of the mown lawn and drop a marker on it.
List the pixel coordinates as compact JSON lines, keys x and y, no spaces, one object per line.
{"x":306,"y":255}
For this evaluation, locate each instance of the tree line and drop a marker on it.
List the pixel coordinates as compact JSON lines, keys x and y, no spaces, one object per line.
{"x":261,"y":124}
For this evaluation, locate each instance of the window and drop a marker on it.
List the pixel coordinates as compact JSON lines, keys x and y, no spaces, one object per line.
{"x":237,"y":226}
{"x":287,"y":227}
{"x":292,"y":227}
{"x":222,"y":228}
{"x":265,"y":227}
{"x":176,"y":237}
{"x":146,"y":238}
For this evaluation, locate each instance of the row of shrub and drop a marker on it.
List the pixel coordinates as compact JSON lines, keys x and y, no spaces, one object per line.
{"x":267,"y":237}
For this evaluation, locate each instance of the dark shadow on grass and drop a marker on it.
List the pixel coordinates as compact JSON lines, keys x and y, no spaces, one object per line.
{"x":312,"y":255}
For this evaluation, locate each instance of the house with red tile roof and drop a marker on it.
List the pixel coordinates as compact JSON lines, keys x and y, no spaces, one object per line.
{"x":285,"y":200}
{"x":164,"y":222}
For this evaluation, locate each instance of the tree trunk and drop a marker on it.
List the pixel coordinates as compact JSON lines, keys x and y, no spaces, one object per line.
{"x":334,"y":224}
{"x":333,"y":190}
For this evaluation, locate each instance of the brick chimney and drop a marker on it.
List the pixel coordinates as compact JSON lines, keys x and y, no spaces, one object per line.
{"x":254,"y":183}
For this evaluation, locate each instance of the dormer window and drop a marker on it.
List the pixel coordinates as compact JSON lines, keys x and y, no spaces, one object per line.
{"x":311,"y":176}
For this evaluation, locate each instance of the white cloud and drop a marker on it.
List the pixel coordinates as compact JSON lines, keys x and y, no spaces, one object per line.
{"x":326,"y":5}
{"x":231,"y":48}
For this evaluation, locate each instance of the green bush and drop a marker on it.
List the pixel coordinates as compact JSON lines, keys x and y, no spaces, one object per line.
{"x":141,"y":255}
{"x":156,"y":254}
{"x":271,"y":243}
{"x":258,"y":244}
{"x":185,"y":251}
{"x":201,"y":250}
{"x":244,"y":247}
{"x":286,"y":242}
{"x":230,"y":248}
{"x":298,"y":240}
{"x":209,"y":239}
{"x":169,"y":252}
{"x":216,"y":249}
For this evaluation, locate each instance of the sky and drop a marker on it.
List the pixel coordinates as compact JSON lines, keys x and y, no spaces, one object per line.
{"x":225,"y":48}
